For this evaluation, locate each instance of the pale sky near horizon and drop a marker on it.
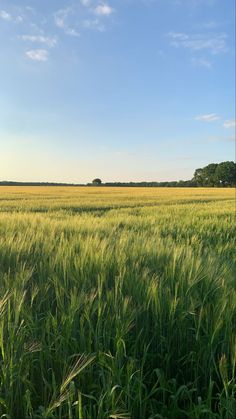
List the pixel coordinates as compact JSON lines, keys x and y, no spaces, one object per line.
{"x":124,"y":90}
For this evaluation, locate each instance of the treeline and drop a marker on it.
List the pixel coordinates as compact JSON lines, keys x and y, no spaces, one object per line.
{"x":213,"y":175}
{"x":9,"y":183}
{"x":173,"y":184}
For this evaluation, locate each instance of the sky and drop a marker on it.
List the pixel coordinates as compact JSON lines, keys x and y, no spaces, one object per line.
{"x":123,"y":90}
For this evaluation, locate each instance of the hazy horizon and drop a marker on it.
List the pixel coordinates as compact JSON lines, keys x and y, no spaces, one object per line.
{"x":123,"y":90}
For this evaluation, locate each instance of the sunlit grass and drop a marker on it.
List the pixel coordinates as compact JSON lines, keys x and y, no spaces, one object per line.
{"x":117,"y":303}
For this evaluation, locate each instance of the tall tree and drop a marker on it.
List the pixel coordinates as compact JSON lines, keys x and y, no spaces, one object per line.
{"x":222,"y":174}
{"x":225,"y":174}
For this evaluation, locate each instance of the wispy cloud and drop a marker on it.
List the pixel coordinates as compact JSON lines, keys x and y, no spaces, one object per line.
{"x":230,"y":123}
{"x":72,"y":32}
{"x":201,"y":62}
{"x":5,"y":15}
{"x":211,"y":117}
{"x":61,"y":21}
{"x":90,"y":16}
{"x":37,"y":54}
{"x":103,"y":10}
{"x":60,"y":17}
{"x":210,"y":25}
{"x":93,"y":24}
{"x":10,"y":18}
{"x":19,"y":19}
{"x":100,"y":8}
{"x":214,"y":43}
{"x":40,"y":39}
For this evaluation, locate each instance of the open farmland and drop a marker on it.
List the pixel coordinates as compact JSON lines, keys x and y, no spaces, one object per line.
{"x":117,"y":303}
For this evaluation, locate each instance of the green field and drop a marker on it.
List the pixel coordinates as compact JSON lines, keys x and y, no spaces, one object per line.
{"x":117,"y":303}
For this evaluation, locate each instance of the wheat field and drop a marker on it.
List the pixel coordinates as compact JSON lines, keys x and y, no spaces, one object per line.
{"x":117,"y":303}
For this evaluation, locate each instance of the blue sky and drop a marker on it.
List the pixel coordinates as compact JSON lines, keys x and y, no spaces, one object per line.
{"x":124,"y":90}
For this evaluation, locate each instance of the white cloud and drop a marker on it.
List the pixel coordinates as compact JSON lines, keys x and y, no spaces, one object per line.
{"x":103,"y":10}
{"x":49,"y":41}
{"x":9,"y":18}
{"x":93,"y":24}
{"x":201,"y":62}
{"x":230,"y":123}
{"x":214,"y":43}
{"x":61,"y":17}
{"x":71,"y":32}
{"x":19,"y":19}
{"x":37,"y":55}
{"x":211,"y":117}
{"x":5,"y":15}
{"x":68,"y":19}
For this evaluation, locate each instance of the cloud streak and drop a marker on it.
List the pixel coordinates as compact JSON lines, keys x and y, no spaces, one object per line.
{"x":103,"y":10}
{"x":37,"y":55}
{"x":201,"y":62}
{"x":92,"y":12}
{"x":93,"y":24}
{"x":5,"y":15}
{"x":61,"y":21}
{"x":40,"y":39}
{"x":230,"y":123}
{"x":100,"y":9}
{"x":211,"y":117}
{"x":214,"y":43}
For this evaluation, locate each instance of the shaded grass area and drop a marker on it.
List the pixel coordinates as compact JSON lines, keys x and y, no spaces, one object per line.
{"x":125,"y":312}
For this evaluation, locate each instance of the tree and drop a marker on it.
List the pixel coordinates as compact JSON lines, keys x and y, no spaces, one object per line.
{"x":210,"y":171}
{"x":222,"y":174}
{"x":97,"y":182}
{"x":206,"y":175}
{"x":198,"y":177}
{"x":226,"y":174}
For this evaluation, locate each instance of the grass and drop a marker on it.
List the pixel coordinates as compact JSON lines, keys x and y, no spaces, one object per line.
{"x":117,"y":303}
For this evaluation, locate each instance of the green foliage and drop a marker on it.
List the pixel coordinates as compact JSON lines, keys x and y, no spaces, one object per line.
{"x":117,"y":303}
{"x":222,"y":174}
{"x":97,"y":182}
{"x":225,"y":174}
